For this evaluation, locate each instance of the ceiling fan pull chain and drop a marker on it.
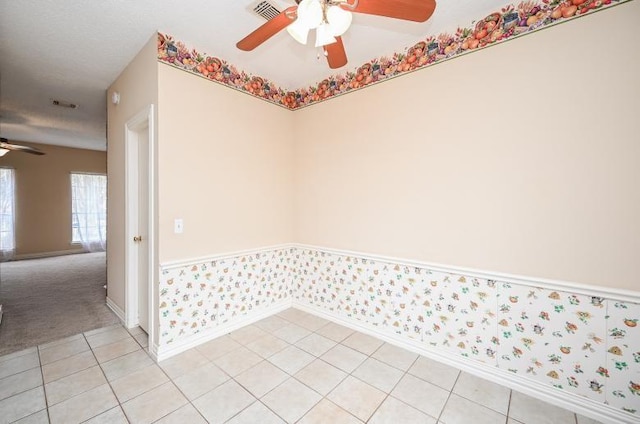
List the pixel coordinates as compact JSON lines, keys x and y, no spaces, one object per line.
{"x":324,"y":54}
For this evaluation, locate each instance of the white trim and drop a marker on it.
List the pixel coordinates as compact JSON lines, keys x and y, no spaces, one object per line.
{"x":567,"y":286}
{"x":561,"y":398}
{"x":160,"y":353}
{"x":153,"y":351}
{"x":143,"y":118}
{"x":203,"y":259}
{"x":48,"y":254}
{"x":577,"y":288}
{"x":116,"y":310}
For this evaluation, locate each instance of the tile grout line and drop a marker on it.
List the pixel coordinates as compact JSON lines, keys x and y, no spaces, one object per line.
{"x":257,"y":400}
{"x":141,"y":393}
{"x":25,"y":390}
{"x":3,"y":358}
{"x":484,"y":406}
{"x":241,"y":345}
{"x":146,"y":352}
{"x":263,"y":359}
{"x":266,"y":359}
{"x":274,"y":388}
{"x":102,"y":370}
{"x":46,"y":404}
{"x":509,"y":405}
{"x":108,"y":383}
{"x":347,"y":374}
{"x":291,"y":376}
{"x":507,"y":416}
{"x":350,"y":374}
{"x":40,"y":366}
{"x":189,"y":401}
{"x":449,"y":397}
{"x":478,"y":403}
{"x":73,"y":373}
{"x":388,"y":395}
{"x":405,"y":372}
{"x":171,"y":380}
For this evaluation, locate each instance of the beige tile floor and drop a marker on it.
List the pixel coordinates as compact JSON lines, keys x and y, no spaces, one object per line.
{"x":292,"y":367}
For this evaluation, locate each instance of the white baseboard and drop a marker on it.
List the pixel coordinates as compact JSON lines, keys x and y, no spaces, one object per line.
{"x":160,"y":353}
{"x":47,"y":254}
{"x":130,"y":321}
{"x":116,"y":310}
{"x":561,"y":398}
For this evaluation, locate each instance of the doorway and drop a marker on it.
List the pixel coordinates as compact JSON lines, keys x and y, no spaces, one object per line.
{"x":139,"y":220}
{"x":53,"y":212}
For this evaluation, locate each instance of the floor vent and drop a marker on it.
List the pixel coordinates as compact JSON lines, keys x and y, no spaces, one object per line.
{"x":266,"y":10}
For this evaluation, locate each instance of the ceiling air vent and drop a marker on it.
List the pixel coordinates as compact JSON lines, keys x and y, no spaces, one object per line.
{"x":266,"y":10}
{"x":63,"y":103}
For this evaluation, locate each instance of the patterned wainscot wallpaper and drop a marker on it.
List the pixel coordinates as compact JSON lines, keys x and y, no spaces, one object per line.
{"x":583,"y":344}
{"x":447,"y":311}
{"x":199,"y":297}
{"x":622,"y":369}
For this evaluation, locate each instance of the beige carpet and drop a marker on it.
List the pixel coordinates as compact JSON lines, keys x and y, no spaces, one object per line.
{"x":50,"y":298}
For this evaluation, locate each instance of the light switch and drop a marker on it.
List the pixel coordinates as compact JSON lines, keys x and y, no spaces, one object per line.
{"x":178,"y":226}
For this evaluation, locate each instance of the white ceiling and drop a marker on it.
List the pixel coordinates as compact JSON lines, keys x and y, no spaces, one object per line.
{"x":73,"y":50}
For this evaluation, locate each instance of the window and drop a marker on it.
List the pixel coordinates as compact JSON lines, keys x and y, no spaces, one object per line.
{"x":89,"y":210}
{"x":7,"y":206}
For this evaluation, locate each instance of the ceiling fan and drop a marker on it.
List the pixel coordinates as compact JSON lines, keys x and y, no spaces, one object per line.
{"x":330,"y":19}
{"x":6,"y":147}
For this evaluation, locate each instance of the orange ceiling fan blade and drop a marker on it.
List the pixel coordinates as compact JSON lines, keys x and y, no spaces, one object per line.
{"x":268,"y":30}
{"x":336,"y":55}
{"x":409,"y":10}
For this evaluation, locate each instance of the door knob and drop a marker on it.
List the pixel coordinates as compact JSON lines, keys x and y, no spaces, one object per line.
{"x":137,"y":239}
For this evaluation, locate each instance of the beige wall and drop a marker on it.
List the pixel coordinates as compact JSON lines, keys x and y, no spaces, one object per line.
{"x":138,"y":88}
{"x":43,"y":195}
{"x":521,"y":158}
{"x":225,"y":166}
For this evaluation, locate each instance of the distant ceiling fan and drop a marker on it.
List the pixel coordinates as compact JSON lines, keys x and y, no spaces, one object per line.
{"x":331,"y":19}
{"x":6,"y":147}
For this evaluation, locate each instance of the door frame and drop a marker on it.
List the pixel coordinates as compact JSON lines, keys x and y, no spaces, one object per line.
{"x":143,"y":118}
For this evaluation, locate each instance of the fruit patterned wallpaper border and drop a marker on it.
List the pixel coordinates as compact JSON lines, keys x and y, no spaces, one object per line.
{"x":583,"y":344}
{"x":586,"y":345}
{"x":506,"y":24}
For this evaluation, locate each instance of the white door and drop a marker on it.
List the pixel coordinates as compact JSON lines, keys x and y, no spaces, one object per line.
{"x":143,"y":228}
{"x":139,"y":221}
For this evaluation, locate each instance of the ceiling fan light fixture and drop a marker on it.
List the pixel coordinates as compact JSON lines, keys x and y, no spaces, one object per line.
{"x":298,"y":31}
{"x":310,"y":13}
{"x":339,"y":20}
{"x":324,"y":35}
